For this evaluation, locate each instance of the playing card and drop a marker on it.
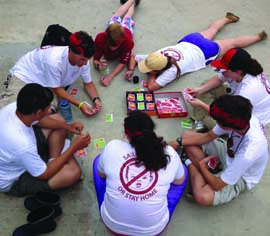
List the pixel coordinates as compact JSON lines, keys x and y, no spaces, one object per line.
{"x":99,"y":143}
{"x":74,"y":91}
{"x":81,"y":153}
{"x":109,"y":117}
{"x":186,"y":124}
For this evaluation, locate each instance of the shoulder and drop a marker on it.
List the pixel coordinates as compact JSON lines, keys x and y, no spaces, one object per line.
{"x":116,"y":143}
{"x":100,"y":37}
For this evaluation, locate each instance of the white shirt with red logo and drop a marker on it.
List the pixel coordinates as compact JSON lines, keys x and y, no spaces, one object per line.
{"x":135,"y":201}
{"x":254,"y":88}
{"x":188,"y":56}
{"x":50,"y":67}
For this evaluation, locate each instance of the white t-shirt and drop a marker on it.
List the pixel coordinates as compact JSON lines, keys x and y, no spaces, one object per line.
{"x":135,"y":201}
{"x":188,"y":56}
{"x":18,"y":149}
{"x":251,"y":155}
{"x":254,"y":88}
{"x":49,"y":66}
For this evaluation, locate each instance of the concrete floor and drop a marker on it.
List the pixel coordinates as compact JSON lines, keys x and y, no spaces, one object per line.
{"x":158,"y":24}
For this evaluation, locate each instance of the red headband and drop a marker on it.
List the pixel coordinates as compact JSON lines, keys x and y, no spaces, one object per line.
{"x":215,"y":111}
{"x":76,"y":42}
{"x":133,"y":133}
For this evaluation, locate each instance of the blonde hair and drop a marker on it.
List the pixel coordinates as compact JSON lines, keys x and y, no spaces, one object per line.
{"x":114,"y":33}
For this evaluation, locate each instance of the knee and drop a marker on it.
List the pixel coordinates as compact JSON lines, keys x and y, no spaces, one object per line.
{"x":57,"y":117}
{"x":75,"y":173}
{"x":203,"y":198}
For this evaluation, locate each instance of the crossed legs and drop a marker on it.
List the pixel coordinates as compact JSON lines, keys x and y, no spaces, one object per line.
{"x":126,"y":10}
{"x":71,"y":171}
{"x":202,"y":192}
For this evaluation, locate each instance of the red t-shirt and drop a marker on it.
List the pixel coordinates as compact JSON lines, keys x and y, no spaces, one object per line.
{"x":123,"y":52}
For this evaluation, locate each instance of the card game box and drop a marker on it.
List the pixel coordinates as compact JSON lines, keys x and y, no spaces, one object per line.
{"x":164,"y":104}
{"x":141,"y":100}
{"x":170,"y":104}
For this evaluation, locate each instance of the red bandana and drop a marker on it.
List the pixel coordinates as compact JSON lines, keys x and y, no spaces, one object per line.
{"x":217,"y":112}
{"x":76,"y":42}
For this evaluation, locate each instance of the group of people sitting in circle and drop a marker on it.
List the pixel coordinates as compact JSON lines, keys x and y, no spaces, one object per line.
{"x":144,"y":173}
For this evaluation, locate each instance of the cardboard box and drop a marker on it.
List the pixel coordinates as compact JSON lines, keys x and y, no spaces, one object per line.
{"x":141,"y":100}
{"x":170,"y":104}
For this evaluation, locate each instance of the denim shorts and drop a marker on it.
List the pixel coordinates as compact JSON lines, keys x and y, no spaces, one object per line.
{"x":127,"y":22}
{"x":209,"y":48}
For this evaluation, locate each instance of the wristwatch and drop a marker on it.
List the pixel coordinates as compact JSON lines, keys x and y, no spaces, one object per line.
{"x":179,"y":141}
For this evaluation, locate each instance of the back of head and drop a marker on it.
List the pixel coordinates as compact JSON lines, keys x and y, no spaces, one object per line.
{"x":238,"y":59}
{"x":82,"y":43}
{"x":231,"y":111}
{"x":114,"y":33}
{"x":139,"y":127}
{"x":33,"y":97}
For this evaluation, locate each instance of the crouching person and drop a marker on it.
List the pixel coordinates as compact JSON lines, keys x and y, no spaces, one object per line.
{"x":244,"y":155}
{"x":32,"y":158}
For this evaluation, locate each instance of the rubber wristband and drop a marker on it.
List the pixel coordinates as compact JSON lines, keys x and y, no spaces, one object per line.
{"x":80,"y":105}
{"x":95,"y":98}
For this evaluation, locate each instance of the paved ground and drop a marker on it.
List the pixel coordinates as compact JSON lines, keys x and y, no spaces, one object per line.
{"x":158,"y":23}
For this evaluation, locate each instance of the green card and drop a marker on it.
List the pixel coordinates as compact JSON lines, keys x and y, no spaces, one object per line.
{"x":185,"y":123}
{"x":99,"y":143}
{"x":137,"y":89}
{"x":109,"y":118}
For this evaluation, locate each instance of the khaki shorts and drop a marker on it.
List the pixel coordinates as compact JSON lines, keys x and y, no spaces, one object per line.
{"x":230,"y":192}
{"x":208,"y":98}
{"x":12,"y":86}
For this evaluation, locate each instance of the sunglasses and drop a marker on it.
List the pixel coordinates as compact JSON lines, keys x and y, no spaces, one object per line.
{"x":230,"y":152}
{"x":219,"y":69}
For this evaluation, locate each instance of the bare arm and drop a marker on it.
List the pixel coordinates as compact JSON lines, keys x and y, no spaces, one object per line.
{"x":152,"y":84}
{"x":131,"y":67}
{"x":215,"y":182}
{"x":54,"y":166}
{"x":199,"y":104}
{"x":106,"y":80}
{"x":210,"y":84}
{"x":199,"y":138}
{"x":62,"y":93}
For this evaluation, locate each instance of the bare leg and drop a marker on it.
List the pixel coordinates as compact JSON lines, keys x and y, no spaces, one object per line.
{"x":68,"y":175}
{"x":71,"y":171}
{"x":122,"y":11}
{"x":202,"y":192}
{"x":238,"y":42}
{"x":195,"y":154}
{"x":130,"y":11}
{"x":56,"y":138}
{"x":215,"y":27}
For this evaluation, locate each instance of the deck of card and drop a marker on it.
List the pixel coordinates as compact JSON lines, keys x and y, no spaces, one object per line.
{"x":81,"y":153}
